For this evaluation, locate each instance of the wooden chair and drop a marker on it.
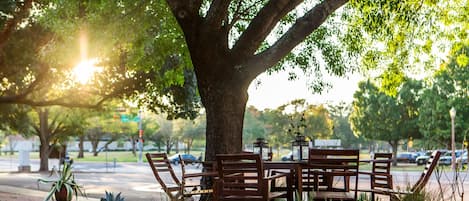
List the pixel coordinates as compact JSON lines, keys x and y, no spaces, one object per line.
{"x":241,"y":178}
{"x":324,"y":166}
{"x":421,"y":182}
{"x":380,"y":175}
{"x":172,"y":186}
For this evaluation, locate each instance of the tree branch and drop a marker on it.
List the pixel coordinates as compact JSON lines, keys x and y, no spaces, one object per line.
{"x":217,"y":12}
{"x":13,"y":22}
{"x":261,"y":26}
{"x":302,"y":28}
{"x":187,"y":16}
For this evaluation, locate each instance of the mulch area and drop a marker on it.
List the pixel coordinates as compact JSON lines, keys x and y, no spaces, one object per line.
{"x":17,"y":197}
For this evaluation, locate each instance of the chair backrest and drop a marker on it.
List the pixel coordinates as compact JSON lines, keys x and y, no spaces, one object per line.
{"x":163,"y":171}
{"x":381,"y":177}
{"x":427,"y":172}
{"x":240,"y":175}
{"x":334,"y":163}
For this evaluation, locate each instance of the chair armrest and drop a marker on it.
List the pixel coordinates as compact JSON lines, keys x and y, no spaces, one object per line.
{"x":277,"y":175}
{"x":201,"y":174}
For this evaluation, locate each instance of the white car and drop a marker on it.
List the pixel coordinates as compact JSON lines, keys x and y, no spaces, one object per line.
{"x":422,"y":160}
{"x":462,"y":159}
{"x":446,"y":159}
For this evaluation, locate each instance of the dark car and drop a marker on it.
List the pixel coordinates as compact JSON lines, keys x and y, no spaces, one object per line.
{"x":287,"y":157}
{"x":187,"y":158}
{"x":406,"y":157}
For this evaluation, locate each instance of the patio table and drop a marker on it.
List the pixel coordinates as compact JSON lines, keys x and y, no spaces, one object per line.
{"x":294,"y":167}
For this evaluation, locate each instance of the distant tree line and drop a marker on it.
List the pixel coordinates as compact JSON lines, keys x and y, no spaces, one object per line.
{"x":417,"y":110}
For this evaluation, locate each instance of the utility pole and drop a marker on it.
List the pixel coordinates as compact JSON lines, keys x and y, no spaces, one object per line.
{"x":140,"y":137}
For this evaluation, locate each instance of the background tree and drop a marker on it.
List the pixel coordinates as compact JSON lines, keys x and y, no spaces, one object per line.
{"x":318,"y":122}
{"x":447,"y":88}
{"x":52,"y":127}
{"x":342,"y":130}
{"x":276,"y":126}
{"x":165,"y":134}
{"x":253,"y":127}
{"x":376,"y":116}
{"x":193,"y":130}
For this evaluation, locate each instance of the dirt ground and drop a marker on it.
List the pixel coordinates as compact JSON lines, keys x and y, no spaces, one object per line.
{"x":16,"y":197}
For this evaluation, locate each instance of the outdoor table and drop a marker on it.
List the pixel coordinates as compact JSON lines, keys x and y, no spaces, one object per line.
{"x":295,"y":168}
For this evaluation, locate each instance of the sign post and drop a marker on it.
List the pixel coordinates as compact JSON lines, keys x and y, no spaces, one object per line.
{"x":140,"y":137}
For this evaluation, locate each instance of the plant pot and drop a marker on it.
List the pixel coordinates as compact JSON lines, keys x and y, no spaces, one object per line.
{"x":61,"y":195}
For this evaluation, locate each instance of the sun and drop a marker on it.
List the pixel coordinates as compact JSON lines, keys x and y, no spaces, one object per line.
{"x":85,"y":70}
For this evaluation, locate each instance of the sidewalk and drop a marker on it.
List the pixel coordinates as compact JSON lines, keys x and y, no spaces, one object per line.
{"x":10,"y":193}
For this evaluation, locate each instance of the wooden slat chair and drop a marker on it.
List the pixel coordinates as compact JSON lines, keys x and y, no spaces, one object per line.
{"x":421,"y":182}
{"x":380,"y":175}
{"x":325,"y":165}
{"x":172,"y":186}
{"x":241,"y":178}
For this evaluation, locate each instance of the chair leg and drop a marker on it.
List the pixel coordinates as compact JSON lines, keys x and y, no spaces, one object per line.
{"x":373,"y":196}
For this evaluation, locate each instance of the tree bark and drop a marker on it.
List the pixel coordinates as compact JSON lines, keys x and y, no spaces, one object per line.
{"x":81,"y":147}
{"x":44,"y":138}
{"x":225,"y":105}
{"x":394,"y":144}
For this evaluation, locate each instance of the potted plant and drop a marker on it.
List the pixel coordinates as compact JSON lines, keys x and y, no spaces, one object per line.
{"x":64,"y":187}
{"x":110,"y":197}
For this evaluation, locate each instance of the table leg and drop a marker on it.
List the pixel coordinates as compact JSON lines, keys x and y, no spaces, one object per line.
{"x":299,"y":186}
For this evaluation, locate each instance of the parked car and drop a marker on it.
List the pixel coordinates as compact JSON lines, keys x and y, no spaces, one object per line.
{"x":447,"y":157}
{"x":462,"y":159}
{"x":187,"y":158}
{"x":406,"y":157}
{"x":287,"y":157}
{"x":423,"y":159}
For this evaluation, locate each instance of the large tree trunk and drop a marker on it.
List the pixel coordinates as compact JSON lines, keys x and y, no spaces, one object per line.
{"x":44,"y":138}
{"x":225,"y":105}
{"x":80,"y":147}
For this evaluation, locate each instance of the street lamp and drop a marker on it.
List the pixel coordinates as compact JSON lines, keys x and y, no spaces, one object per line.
{"x":452,"y":114}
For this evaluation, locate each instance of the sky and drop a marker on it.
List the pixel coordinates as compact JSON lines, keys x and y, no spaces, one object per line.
{"x":276,"y":90}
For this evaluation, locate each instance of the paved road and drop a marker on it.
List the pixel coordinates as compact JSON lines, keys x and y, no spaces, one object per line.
{"x":136,"y":181}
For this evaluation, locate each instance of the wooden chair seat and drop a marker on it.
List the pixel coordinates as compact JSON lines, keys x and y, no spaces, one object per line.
{"x":333,"y":195}
{"x":241,"y":178}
